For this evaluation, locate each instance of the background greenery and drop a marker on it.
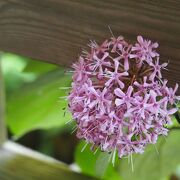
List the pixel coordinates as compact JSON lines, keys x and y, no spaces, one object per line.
{"x":37,"y":116}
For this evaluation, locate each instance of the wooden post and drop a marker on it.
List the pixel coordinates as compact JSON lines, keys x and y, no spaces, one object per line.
{"x":55,"y":31}
{"x":2,"y":107}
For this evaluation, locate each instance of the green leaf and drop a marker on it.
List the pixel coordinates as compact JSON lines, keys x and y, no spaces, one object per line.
{"x":170,"y":153}
{"x":102,"y":163}
{"x":92,"y":164}
{"x":112,"y":174}
{"x":37,"y":105}
{"x":152,"y":165}
{"x":12,"y":67}
{"x":146,"y":165}
{"x":39,"y":68}
{"x":86,"y":159}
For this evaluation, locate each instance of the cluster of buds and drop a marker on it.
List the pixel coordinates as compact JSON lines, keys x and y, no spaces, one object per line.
{"x":119,"y":99}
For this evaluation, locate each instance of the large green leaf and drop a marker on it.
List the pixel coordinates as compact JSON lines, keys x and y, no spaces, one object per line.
{"x":37,"y":105}
{"x":95,"y":164}
{"x":153,"y":165}
{"x":102,"y":163}
{"x":170,"y":153}
{"x":19,"y":69}
{"x":86,"y":159}
{"x":145,"y":166}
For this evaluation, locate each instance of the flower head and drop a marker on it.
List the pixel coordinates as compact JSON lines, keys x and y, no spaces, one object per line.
{"x":119,"y":98}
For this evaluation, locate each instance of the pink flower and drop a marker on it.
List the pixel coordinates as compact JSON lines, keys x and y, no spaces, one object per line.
{"x":156,"y":104}
{"x":119,"y":99}
{"x":115,"y":77}
{"x":143,"y":86}
{"x":166,"y":113}
{"x":157,"y":69}
{"x":171,"y":94}
{"x":124,"y":98}
{"x":98,"y":63}
{"x":115,"y":43}
{"x":125,"y":55}
{"x":141,"y":106}
{"x":144,"y":50}
{"x":80,"y":70}
{"x":99,"y":49}
{"x":100,"y":100}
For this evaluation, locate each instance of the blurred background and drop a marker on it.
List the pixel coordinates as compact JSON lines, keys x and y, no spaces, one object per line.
{"x":37,"y":117}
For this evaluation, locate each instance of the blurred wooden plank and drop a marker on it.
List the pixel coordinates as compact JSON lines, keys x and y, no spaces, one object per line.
{"x":56,"y":30}
{"x":2,"y":108}
{"x":20,"y":163}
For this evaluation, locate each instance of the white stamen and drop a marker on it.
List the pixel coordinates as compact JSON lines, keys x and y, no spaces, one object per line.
{"x":96,"y":150}
{"x":64,"y":88}
{"x":74,"y":129}
{"x":93,"y":128}
{"x":69,"y":72}
{"x":132,"y":165}
{"x":164,"y":137}
{"x":156,"y":149}
{"x":114,"y":156}
{"x":69,"y":121}
{"x":84,"y":147}
{"x":159,"y":79}
{"x":87,"y":129}
{"x":111,"y":31}
{"x":63,"y":97}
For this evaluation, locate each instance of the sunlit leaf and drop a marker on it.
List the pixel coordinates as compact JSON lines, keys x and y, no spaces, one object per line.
{"x":153,"y":165}
{"x":146,"y":166}
{"x":102,"y":163}
{"x":170,"y":153}
{"x":12,"y":67}
{"x":97,"y":164}
{"x":86,"y":159}
{"x":37,"y":105}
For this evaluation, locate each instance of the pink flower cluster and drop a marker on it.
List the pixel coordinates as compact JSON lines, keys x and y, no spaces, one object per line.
{"x":118,"y":99}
